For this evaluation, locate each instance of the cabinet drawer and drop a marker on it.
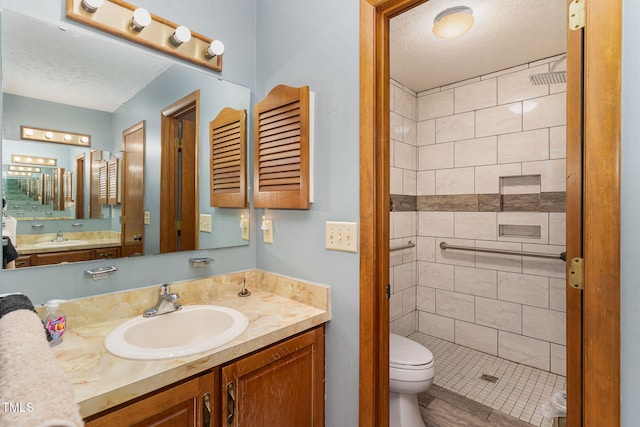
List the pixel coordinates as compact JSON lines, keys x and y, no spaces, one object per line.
{"x":23,"y":261}
{"x":107,"y":253}
{"x":67,"y":256}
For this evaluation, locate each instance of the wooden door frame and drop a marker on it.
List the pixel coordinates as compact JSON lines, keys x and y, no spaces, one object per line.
{"x":80,"y":176}
{"x":167,"y":163}
{"x":600,"y":182}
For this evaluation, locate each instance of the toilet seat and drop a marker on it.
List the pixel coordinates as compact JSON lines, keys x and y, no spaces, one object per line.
{"x":408,"y":354}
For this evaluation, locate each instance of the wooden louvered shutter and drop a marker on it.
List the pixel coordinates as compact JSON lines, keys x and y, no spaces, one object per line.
{"x":103,"y":178}
{"x":228,"y":160}
{"x":112,"y":169}
{"x":281,"y":149}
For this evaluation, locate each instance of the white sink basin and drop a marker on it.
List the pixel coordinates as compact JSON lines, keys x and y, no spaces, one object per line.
{"x":55,"y":244}
{"x":191,"y":330}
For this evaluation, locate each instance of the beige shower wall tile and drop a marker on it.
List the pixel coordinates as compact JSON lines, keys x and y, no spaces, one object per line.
{"x":404,"y":155}
{"x":426,"y":299}
{"x":438,"y":224}
{"x":475,"y":152}
{"x":395,"y":180}
{"x":426,"y":248}
{"x":438,"y":326}
{"x":426,"y":132}
{"x":501,"y":315}
{"x":546,"y":111}
{"x":523,"y":146}
{"x":476,"y":281}
{"x":547,"y":325}
{"x":434,"y":275}
{"x":477,"y":337}
{"x":456,"y":305}
{"x":557,"y":228}
{"x":552,"y":172}
{"x":455,"y":257}
{"x":434,"y":105}
{"x":455,"y":181}
{"x":426,"y":183}
{"x":498,"y":120}
{"x":524,"y":350}
{"x":404,"y":103}
{"x":558,"y":294}
{"x":474,"y":96}
{"x":523,"y":289}
{"x":499,"y":262}
{"x":487,"y":178}
{"x":475,"y":225}
{"x":559,"y":359}
{"x":517,"y":87}
{"x":558,"y":142}
{"x":439,"y":156}
{"x":455,"y":128}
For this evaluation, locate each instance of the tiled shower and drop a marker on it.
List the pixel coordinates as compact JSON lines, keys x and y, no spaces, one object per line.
{"x":481,"y":163}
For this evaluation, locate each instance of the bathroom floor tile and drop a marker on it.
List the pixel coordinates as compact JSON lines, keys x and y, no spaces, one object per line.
{"x":518,"y":393}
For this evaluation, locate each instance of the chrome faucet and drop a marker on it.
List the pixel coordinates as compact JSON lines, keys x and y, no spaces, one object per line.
{"x":60,"y":237}
{"x":167,"y":302}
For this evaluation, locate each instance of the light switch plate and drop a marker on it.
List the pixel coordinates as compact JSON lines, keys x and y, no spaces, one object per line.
{"x":244,"y":226}
{"x":341,"y":236}
{"x":267,"y":231}
{"x":147,"y":217}
{"x":205,"y":223}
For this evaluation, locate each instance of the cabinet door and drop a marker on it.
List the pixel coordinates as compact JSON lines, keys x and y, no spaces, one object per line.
{"x":193,"y":403}
{"x":282,"y":385}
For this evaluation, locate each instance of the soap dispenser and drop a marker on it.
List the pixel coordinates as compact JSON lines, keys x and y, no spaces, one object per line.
{"x":55,"y":321}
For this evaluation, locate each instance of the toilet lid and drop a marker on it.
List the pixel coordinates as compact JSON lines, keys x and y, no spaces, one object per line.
{"x":406,"y":352}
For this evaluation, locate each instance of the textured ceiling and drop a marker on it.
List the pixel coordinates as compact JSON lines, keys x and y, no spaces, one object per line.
{"x":505,"y":33}
{"x":42,"y":61}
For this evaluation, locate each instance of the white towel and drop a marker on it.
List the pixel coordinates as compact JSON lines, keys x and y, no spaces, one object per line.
{"x":34,"y":391}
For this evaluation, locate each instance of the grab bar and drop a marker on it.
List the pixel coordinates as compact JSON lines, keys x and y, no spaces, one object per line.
{"x":409,"y":245}
{"x":562,"y":256}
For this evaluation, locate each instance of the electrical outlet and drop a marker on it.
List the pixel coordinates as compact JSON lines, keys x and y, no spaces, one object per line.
{"x":205,"y":223}
{"x":341,"y":236}
{"x":244,"y":225}
{"x":147,"y":217}
{"x":267,"y":231}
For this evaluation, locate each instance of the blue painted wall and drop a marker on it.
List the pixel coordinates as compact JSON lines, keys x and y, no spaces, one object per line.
{"x":317,"y":44}
{"x":630,"y":250}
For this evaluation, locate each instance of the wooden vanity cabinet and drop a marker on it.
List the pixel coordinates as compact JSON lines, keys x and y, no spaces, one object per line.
{"x":191,"y":403}
{"x":48,"y":258}
{"x":282,"y":385}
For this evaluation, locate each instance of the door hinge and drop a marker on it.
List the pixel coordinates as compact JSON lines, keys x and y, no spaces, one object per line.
{"x":577,"y":15}
{"x":178,"y":143}
{"x":576,"y":273}
{"x":177,"y":225}
{"x":388,"y":291}
{"x":123,"y":220}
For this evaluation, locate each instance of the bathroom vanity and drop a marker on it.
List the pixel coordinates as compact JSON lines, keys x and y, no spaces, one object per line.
{"x":272,"y":373}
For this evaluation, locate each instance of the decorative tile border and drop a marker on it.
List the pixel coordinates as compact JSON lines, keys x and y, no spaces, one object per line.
{"x":542,"y":202}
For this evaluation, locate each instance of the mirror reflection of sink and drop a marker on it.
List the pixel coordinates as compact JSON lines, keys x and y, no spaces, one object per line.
{"x":185,"y":332}
{"x":54,"y":244}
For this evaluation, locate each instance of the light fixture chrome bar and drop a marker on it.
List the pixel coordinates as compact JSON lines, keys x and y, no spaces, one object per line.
{"x":562,"y":256}
{"x":200,"y":261}
{"x":101,"y":272}
{"x":409,"y":245}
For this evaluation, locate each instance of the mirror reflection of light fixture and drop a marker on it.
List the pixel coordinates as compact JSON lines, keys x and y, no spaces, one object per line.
{"x":453,"y":22}
{"x":15,"y":168}
{"x":14,"y":173}
{"x":60,"y":137}
{"x":33,"y":160}
{"x":141,"y":18}
{"x":181,"y":35}
{"x":216,"y":48}
{"x":91,"y":5}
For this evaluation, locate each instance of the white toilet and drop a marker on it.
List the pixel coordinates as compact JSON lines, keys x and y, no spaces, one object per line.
{"x":411,"y":370}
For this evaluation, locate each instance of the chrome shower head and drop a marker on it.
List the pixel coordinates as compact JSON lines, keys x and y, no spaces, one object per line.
{"x":552,"y":77}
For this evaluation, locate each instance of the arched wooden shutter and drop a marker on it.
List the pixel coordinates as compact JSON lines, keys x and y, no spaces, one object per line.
{"x":281,"y":149}
{"x":227,"y":134}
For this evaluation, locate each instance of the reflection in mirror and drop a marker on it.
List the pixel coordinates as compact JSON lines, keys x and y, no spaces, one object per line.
{"x":74,"y":211}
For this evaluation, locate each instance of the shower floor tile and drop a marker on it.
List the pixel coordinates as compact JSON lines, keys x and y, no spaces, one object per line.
{"x":519,"y":392}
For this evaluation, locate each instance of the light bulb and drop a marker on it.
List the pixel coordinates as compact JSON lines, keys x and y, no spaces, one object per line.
{"x":141,"y":18}
{"x":91,"y":5}
{"x":216,"y":48}
{"x":181,"y":35}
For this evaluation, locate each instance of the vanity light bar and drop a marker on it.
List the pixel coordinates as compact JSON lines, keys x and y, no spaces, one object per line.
{"x":57,"y":136}
{"x":15,"y":173}
{"x":33,"y":160}
{"x":136,"y":24}
{"x":15,"y":168}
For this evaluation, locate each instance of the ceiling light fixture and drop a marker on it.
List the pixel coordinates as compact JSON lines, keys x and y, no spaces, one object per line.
{"x":61,"y":137}
{"x":453,"y":22}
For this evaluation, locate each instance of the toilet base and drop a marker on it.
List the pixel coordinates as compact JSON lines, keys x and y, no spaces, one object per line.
{"x":404,"y":410}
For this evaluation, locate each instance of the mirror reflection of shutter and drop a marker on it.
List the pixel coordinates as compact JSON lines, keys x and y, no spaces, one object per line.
{"x":228,"y":159}
{"x":112,"y":180}
{"x":281,"y":149}
{"x":103,"y":178}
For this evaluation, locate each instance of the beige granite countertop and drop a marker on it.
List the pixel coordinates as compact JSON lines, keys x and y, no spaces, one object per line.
{"x":278,"y":307}
{"x":26,"y":243}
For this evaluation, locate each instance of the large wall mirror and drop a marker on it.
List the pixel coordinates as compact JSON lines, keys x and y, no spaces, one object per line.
{"x":91,"y":199}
